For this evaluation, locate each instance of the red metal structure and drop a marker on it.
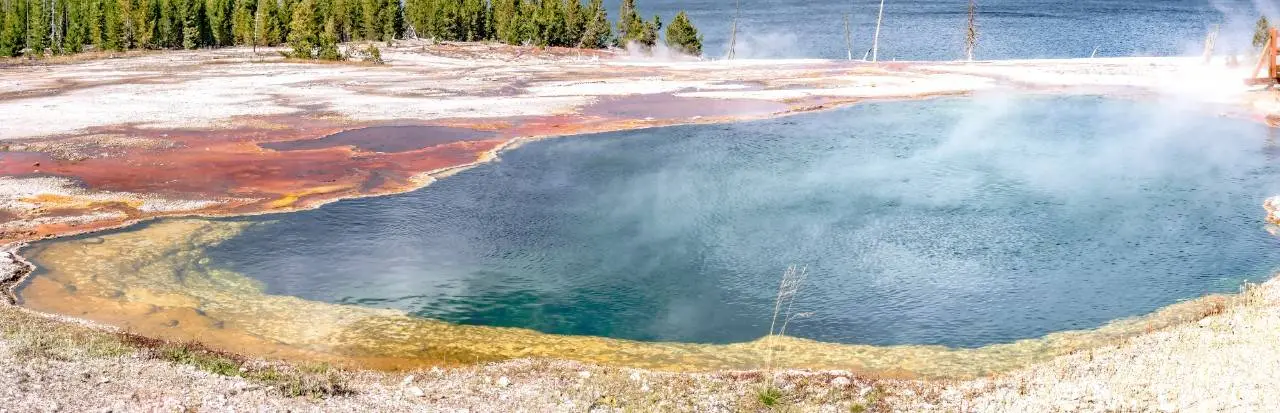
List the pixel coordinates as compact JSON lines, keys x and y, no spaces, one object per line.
{"x":1268,"y":60}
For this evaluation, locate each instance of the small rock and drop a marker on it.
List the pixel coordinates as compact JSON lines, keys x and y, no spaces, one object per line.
{"x":644,"y":387}
{"x":407,"y":380}
{"x":584,"y":374}
{"x":635,"y":376}
{"x":1204,"y":322}
{"x":841,"y":382}
{"x":504,"y":381}
{"x":414,"y":391}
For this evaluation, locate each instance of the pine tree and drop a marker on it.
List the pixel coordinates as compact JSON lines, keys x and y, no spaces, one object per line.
{"x":12,"y":35}
{"x":77,"y":33}
{"x":550,"y":24}
{"x":392,"y":20}
{"x":127,"y":12}
{"x":527,"y":22}
{"x":112,"y":26}
{"x":242,"y":22}
{"x":194,"y":25}
{"x":303,"y":30}
{"x":284,"y":19}
{"x":630,"y":25}
{"x":596,"y":34}
{"x":370,"y":19}
{"x":218,"y":13}
{"x":149,"y":34}
{"x":170,"y":24}
{"x":474,"y":21}
{"x":267,"y":24}
{"x":683,"y":37}
{"x":506,"y":21}
{"x":575,"y":22}
{"x":328,"y":40}
{"x":96,"y":24}
{"x":37,"y":27}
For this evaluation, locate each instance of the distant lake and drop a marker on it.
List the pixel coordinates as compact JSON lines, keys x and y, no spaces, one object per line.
{"x":934,"y":29}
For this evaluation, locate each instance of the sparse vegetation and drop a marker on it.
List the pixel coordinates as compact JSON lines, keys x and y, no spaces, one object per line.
{"x":373,"y":55}
{"x":769,"y":396}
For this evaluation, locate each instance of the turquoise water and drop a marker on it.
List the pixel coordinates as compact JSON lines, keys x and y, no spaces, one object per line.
{"x":959,"y":222}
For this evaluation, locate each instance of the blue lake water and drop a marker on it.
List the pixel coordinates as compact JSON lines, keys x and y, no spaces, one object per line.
{"x":934,"y":29}
{"x":960,"y":222}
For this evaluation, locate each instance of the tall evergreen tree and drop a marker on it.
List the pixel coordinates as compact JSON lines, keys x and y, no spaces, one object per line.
{"x":95,"y":23}
{"x":527,"y":22}
{"x":149,"y":26}
{"x":596,"y":33}
{"x":12,"y":27}
{"x":550,"y":23}
{"x":629,"y":22}
{"x":370,"y":19}
{"x":575,"y":22}
{"x":37,"y":27}
{"x":392,"y":20}
{"x":474,"y":20}
{"x":683,"y":37}
{"x":218,"y":13}
{"x":284,"y":18}
{"x":112,"y":26}
{"x":506,"y":21}
{"x":303,"y":32}
{"x":170,"y":24}
{"x":266,"y":23}
{"x":77,"y":33}
{"x":242,"y":21}
{"x":195,"y":27}
{"x":127,"y":10}
{"x":328,"y":40}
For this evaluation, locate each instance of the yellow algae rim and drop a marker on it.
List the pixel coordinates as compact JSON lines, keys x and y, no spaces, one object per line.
{"x":154,"y":281}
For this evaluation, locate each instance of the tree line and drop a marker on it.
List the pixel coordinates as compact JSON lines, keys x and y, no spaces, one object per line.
{"x":314,"y":28}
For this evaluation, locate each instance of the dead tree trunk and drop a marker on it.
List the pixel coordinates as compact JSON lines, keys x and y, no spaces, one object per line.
{"x":971,"y":33}
{"x":848,"y":39}
{"x":733,"y":30}
{"x":875,"y":43}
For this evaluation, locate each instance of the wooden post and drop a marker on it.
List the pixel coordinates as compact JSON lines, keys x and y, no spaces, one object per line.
{"x":1272,"y":48}
{"x":848,"y":39}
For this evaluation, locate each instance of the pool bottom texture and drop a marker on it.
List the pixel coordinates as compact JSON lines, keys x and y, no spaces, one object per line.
{"x":966,"y":223}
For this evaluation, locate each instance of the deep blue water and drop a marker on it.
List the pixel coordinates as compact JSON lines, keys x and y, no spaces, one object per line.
{"x":960,"y":222}
{"x":934,"y":29}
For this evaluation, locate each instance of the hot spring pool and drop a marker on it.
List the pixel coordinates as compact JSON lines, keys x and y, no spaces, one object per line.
{"x":960,"y":222}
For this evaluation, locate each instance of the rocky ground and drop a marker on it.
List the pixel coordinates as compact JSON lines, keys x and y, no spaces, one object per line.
{"x":1224,"y":362}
